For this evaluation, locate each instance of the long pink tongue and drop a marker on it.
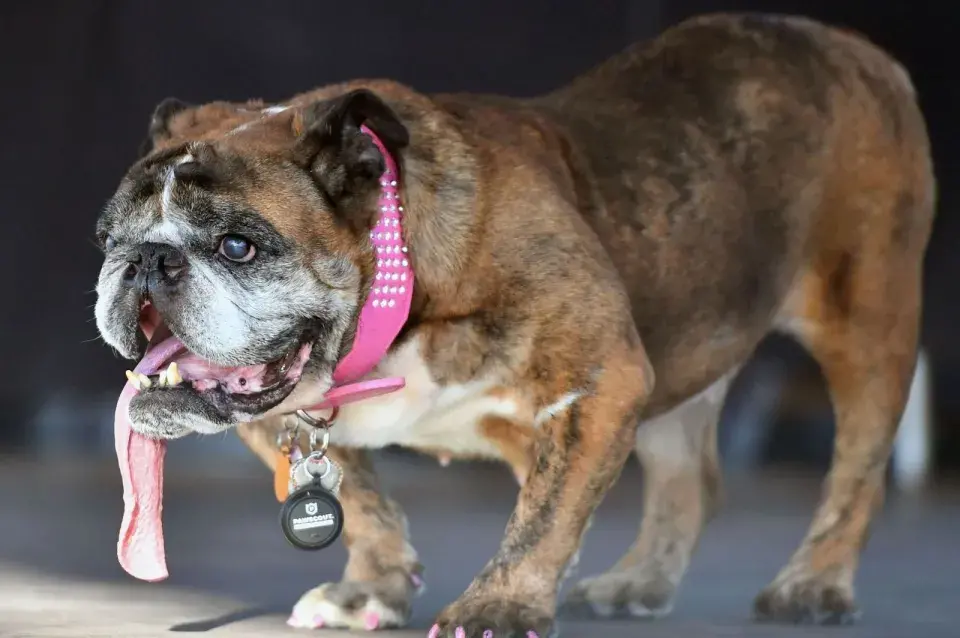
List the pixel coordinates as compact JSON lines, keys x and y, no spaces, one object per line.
{"x":140,"y":546}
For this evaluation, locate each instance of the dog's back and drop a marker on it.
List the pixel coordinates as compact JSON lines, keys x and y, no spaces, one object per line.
{"x":728,"y":163}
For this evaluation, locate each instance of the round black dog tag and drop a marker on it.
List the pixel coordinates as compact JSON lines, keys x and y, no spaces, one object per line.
{"x":311,"y":518}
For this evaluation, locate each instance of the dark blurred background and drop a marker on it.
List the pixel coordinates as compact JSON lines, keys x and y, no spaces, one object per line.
{"x":80,"y":79}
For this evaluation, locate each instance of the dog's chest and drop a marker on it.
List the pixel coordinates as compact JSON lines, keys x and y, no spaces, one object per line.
{"x":423,"y":414}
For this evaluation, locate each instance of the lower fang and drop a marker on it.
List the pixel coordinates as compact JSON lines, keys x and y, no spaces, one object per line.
{"x":173,"y":374}
{"x":134,"y":379}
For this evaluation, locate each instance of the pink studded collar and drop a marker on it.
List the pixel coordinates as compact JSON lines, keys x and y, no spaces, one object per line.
{"x":387,"y":306}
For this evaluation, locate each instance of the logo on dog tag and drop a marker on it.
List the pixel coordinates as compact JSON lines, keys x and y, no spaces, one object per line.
{"x":311,"y":517}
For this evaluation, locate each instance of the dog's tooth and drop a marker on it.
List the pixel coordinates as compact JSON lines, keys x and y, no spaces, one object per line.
{"x":173,"y":374}
{"x":133,"y":379}
{"x":162,"y":379}
{"x":145,"y":380}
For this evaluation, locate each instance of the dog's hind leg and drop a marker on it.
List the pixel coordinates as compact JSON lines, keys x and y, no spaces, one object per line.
{"x":860,"y":322}
{"x":857,"y":310}
{"x":682,"y":479}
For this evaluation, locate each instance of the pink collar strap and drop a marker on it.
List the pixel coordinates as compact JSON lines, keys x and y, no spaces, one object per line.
{"x":387,"y":306}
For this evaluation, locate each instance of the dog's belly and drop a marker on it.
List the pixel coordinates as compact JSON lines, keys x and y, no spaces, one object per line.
{"x":424,"y":415}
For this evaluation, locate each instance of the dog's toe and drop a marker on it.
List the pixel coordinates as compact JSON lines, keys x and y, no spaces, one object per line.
{"x":304,"y":622}
{"x":352,"y":605}
{"x":460,"y":632}
{"x":629,"y":593}
{"x":806,"y":600}
{"x":492,"y":619}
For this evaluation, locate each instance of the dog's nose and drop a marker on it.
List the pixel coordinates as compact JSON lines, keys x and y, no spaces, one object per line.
{"x":150,"y":265}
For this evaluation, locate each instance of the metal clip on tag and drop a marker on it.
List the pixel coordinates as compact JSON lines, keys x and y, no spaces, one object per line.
{"x":311,"y":517}
{"x":324,"y":444}
{"x":288,"y":452}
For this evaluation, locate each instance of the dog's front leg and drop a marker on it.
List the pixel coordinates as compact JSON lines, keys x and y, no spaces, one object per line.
{"x":383,"y":574}
{"x":580,"y":452}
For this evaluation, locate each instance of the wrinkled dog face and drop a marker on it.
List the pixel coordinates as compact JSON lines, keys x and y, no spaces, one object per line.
{"x":238,"y":245}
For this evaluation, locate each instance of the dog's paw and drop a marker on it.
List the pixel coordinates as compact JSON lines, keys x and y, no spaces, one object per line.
{"x":630,"y":593}
{"x":479,"y":618}
{"x":806,"y":599}
{"x":356,"y":605}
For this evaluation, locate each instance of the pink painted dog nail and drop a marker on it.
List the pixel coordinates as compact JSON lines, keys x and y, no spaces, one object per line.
{"x":318,"y":622}
{"x":434,"y":632}
{"x":488,"y":634}
{"x":371,"y":621}
{"x":460,"y":633}
{"x":532,"y":634}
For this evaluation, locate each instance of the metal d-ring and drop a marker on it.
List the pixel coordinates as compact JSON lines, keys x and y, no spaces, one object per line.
{"x":325,"y":443}
{"x":317,"y":423}
{"x":287,"y":436}
{"x":321,"y":425}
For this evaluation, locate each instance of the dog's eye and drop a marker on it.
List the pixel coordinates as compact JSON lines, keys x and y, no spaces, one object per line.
{"x":109,"y":243}
{"x":236,"y":248}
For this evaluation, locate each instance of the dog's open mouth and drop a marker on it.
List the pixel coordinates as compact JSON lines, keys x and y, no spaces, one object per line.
{"x":171,"y":378}
{"x":243,"y":389}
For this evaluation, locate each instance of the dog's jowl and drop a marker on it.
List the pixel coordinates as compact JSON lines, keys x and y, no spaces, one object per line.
{"x":588,"y":270}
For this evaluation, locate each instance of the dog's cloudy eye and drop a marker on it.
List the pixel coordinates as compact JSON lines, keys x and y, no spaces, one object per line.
{"x":236,"y":248}
{"x":109,"y":243}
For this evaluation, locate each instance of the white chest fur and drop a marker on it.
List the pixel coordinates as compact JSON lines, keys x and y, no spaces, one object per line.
{"x":423,"y":413}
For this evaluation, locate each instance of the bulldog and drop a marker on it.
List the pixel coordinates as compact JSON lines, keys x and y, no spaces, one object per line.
{"x":588,"y":269}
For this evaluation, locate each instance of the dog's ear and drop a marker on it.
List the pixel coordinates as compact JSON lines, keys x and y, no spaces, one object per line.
{"x":345,"y":162}
{"x":159,"y":128}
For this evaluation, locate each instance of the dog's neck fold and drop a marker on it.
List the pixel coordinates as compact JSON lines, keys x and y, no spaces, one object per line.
{"x":387,"y":306}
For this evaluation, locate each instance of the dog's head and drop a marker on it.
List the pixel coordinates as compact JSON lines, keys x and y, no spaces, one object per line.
{"x":241,"y":237}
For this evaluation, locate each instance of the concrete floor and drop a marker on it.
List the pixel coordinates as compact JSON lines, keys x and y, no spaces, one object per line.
{"x":232,"y":573}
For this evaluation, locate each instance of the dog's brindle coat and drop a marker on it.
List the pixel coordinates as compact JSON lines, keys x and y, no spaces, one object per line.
{"x":610,"y":254}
